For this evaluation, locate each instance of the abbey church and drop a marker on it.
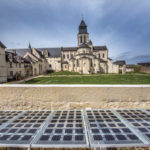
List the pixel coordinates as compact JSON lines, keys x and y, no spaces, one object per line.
{"x":85,"y":59}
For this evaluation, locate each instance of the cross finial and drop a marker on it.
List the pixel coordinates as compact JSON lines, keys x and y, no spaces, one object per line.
{"x":82,"y":17}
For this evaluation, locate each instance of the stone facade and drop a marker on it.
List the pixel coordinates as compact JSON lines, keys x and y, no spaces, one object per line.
{"x":17,"y":67}
{"x":3,"y":67}
{"x":144,"y":67}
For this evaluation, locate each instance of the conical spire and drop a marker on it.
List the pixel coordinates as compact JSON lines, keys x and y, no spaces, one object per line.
{"x":29,"y":46}
{"x":83,"y":23}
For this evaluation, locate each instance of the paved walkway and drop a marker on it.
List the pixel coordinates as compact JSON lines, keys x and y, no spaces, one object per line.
{"x":26,"y":79}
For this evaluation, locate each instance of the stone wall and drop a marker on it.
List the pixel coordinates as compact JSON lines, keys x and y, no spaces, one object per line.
{"x":25,"y":97}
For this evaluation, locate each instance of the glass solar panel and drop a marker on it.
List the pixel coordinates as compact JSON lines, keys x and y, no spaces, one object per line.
{"x":105,"y":129}
{"x":23,"y":129}
{"x":139,"y":120}
{"x":64,"y":129}
{"x":6,"y":116}
{"x":75,"y":128}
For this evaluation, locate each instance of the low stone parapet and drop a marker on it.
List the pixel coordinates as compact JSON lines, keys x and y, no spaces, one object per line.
{"x":45,"y":97}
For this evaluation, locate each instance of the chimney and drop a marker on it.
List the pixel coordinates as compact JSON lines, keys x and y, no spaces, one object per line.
{"x":14,"y":51}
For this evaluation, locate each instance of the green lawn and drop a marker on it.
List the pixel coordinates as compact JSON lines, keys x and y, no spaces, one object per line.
{"x":93,"y":79}
{"x":64,"y":73}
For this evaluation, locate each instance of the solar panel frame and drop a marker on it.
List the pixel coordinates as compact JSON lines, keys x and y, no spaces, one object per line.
{"x":25,"y":141}
{"x":50,"y":144}
{"x":103,"y":143}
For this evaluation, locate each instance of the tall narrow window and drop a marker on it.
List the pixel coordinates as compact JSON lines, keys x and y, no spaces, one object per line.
{"x":84,"y":39}
{"x":10,"y":64}
{"x":64,"y":56}
{"x":77,"y":63}
{"x":103,"y":55}
{"x":11,"y":73}
{"x":80,"y":39}
{"x":99,"y":56}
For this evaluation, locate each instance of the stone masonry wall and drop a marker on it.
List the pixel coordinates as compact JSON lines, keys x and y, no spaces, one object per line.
{"x":46,"y":98}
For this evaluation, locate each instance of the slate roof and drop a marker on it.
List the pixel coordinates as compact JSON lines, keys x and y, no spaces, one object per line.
{"x":144,"y":64}
{"x":96,"y":48}
{"x":120,"y":62}
{"x":20,"y":52}
{"x":2,"y":45}
{"x":54,"y":52}
{"x":40,"y":53}
{"x":28,"y":58}
{"x":14,"y":58}
{"x":69,"y":48}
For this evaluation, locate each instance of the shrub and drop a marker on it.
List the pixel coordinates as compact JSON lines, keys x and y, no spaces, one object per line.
{"x":137,"y":68}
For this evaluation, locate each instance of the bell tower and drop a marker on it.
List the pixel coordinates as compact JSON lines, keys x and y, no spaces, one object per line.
{"x":83,"y":35}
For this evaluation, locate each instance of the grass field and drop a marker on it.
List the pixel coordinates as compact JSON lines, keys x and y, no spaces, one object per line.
{"x":63,"y":78}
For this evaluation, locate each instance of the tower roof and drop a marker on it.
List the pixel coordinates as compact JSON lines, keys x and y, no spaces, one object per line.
{"x":83,"y":28}
{"x":83,"y":23}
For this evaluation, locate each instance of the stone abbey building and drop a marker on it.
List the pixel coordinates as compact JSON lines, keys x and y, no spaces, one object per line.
{"x":85,"y":58}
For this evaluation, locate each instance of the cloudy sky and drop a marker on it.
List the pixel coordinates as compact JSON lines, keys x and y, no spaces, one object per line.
{"x":122,"y":25}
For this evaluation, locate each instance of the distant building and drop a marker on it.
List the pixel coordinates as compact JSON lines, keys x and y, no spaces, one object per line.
{"x":17,"y":66}
{"x":3,"y":67}
{"x":85,"y":58}
{"x":130,"y":68}
{"x":122,"y":66}
{"x":144,"y":67}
